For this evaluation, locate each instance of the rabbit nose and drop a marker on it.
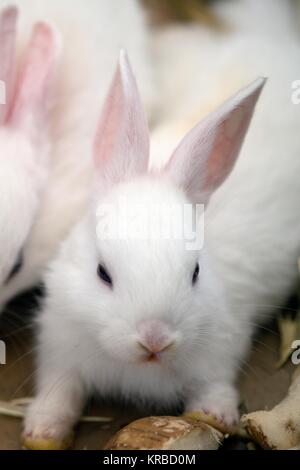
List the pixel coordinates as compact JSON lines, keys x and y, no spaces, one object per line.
{"x":155,"y":337}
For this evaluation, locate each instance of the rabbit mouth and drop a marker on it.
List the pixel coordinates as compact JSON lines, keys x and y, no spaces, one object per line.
{"x":153,"y":357}
{"x":161,"y":358}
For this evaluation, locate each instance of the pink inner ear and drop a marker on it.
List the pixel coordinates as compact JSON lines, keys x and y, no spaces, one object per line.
{"x":228,"y":141}
{"x":8,"y":20}
{"x":206,"y":156}
{"x":34,"y":80}
{"x":110,"y":120}
{"x":122,"y":140}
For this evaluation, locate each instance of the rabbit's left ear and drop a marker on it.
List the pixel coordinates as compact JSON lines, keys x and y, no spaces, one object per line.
{"x":35,"y":81}
{"x":122,"y":141}
{"x":8,"y":20}
{"x":206,"y":156}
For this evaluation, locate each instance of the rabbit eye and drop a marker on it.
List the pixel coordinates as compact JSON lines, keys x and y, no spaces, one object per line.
{"x":103,"y":274}
{"x":16,"y":267}
{"x":196,"y":273}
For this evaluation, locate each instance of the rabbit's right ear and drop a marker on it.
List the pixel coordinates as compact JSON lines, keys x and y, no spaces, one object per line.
{"x":35,"y":81}
{"x":122,"y":140}
{"x":8,"y":21}
{"x":207,"y":154}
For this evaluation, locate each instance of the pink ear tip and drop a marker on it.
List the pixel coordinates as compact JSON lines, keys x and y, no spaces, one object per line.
{"x":9,"y":12}
{"x":125,"y":67}
{"x":8,"y":15}
{"x":46,"y":36}
{"x":252,"y":90}
{"x":41,"y":28}
{"x":257,"y":85}
{"x":261,"y":81}
{"x":123,"y":56}
{"x":124,"y":62}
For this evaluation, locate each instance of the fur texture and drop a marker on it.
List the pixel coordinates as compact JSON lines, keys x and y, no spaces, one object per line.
{"x":148,"y":331}
{"x":93,"y":335}
{"x":44,"y":196}
{"x":23,"y":132}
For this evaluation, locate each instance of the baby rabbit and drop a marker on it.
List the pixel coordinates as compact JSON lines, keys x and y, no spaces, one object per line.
{"x":54,"y":88}
{"x":24,"y":139}
{"x":150,"y":318}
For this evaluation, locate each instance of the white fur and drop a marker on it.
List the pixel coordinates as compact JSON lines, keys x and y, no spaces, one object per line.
{"x":93,"y":33}
{"x":247,"y":265}
{"x":22,"y":183}
{"x":262,"y":193}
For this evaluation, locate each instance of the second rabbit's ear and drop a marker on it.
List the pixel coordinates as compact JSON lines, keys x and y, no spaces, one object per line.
{"x":32,"y":97}
{"x":8,"y":20}
{"x":122,"y":141}
{"x":206,"y":156}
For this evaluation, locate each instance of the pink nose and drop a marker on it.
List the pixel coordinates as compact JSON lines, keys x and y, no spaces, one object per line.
{"x":154,"y":336}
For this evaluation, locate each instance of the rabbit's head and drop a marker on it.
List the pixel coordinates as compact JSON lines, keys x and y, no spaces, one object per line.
{"x":24,"y":143}
{"x":147,"y":286}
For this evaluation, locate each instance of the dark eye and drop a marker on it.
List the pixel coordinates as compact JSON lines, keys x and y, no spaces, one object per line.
{"x":196,"y":273}
{"x":103,"y":274}
{"x":16,"y":267}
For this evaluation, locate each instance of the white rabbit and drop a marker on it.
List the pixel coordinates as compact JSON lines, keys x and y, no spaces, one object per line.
{"x":97,"y":330}
{"x":24,"y":137}
{"x":143,"y":318}
{"x":41,"y":198}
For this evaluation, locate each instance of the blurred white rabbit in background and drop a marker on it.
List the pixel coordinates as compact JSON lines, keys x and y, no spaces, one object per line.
{"x":55,"y":87}
{"x":24,"y":138}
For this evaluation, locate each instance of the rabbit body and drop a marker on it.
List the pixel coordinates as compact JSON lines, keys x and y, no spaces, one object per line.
{"x":197,"y":332}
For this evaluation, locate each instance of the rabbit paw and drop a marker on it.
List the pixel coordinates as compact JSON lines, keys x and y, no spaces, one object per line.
{"x":44,"y":431}
{"x":220,"y":412}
